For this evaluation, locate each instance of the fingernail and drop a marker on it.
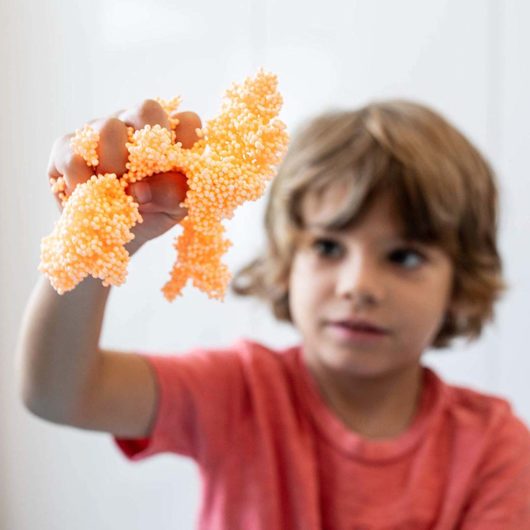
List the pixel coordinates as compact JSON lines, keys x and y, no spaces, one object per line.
{"x":142,"y":192}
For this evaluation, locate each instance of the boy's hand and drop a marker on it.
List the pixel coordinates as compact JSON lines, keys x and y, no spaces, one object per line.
{"x":159,"y":195}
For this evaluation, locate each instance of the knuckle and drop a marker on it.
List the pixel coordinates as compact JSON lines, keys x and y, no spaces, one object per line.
{"x":189,"y":122}
{"x":150,"y":105}
{"x":74,"y":163}
{"x":113,"y":132}
{"x":148,"y":112}
{"x":151,"y":112}
{"x":192,"y":118}
{"x":61,"y":145}
{"x":178,"y":214}
{"x":51,"y":170}
{"x":112,"y":124}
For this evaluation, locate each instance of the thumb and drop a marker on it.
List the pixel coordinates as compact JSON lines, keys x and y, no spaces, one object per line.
{"x":141,"y":192}
{"x":162,"y":192}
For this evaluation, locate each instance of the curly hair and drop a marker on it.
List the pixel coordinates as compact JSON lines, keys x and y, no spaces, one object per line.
{"x":444,"y":189}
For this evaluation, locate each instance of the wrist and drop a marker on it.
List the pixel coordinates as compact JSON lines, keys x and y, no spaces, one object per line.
{"x":133,"y":246}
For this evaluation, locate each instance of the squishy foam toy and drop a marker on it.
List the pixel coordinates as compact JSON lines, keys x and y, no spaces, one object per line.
{"x":236,"y":155}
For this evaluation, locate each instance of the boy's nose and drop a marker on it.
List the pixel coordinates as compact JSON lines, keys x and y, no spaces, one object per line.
{"x":360,"y":281}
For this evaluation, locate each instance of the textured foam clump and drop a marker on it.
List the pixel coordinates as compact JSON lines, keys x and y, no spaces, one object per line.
{"x":236,"y":155}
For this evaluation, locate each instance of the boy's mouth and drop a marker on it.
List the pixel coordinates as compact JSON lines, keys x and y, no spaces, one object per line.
{"x":360,"y":325}
{"x":355,"y":332}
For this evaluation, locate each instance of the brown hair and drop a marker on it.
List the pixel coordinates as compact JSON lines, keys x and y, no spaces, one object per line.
{"x":443,"y":188}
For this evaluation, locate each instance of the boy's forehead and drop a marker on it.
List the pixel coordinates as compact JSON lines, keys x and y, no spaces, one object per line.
{"x":319,"y":209}
{"x":319,"y":206}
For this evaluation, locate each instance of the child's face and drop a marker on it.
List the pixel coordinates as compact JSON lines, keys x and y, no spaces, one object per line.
{"x":367,"y":272}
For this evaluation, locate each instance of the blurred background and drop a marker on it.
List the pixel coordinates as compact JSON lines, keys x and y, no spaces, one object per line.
{"x":64,"y":62}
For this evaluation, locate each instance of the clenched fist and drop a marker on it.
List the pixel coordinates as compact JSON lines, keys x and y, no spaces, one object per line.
{"x":158,"y":195}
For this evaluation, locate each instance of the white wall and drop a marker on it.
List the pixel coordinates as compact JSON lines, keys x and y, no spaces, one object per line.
{"x":64,"y":62}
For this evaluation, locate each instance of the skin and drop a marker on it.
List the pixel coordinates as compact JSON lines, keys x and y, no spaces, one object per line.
{"x":368,"y":272}
{"x":167,"y":190}
{"x":64,"y":375}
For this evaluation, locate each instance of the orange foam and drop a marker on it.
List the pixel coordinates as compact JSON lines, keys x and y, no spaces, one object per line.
{"x":236,"y":155}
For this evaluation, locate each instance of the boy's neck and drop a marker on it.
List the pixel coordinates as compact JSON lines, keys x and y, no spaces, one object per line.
{"x":377,"y":407}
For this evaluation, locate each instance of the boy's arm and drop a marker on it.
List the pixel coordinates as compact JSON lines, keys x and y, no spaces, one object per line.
{"x":63,"y":375}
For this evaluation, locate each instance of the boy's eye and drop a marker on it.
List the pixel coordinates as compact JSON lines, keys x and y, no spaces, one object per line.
{"x":400,"y":255}
{"x":326,"y":247}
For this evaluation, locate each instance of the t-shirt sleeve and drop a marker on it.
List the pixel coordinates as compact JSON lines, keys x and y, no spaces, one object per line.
{"x":500,"y":498}
{"x":199,"y":398}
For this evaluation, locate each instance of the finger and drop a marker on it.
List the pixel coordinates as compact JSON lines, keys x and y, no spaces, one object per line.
{"x":52,"y":171}
{"x":149,"y":112}
{"x":168,"y":191}
{"x":68,"y":164}
{"x":53,"y":175}
{"x":176,"y":214}
{"x":185,"y":131}
{"x":112,"y":149}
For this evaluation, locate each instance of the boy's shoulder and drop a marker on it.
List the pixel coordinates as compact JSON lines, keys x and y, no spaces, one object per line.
{"x":482,"y":410}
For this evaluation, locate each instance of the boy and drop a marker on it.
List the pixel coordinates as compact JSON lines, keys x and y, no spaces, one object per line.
{"x":381,"y":243}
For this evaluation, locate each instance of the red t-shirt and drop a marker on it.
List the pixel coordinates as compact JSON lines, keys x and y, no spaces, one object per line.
{"x":273,"y":456}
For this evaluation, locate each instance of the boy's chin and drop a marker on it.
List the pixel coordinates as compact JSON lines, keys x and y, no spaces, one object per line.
{"x":349,"y":361}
